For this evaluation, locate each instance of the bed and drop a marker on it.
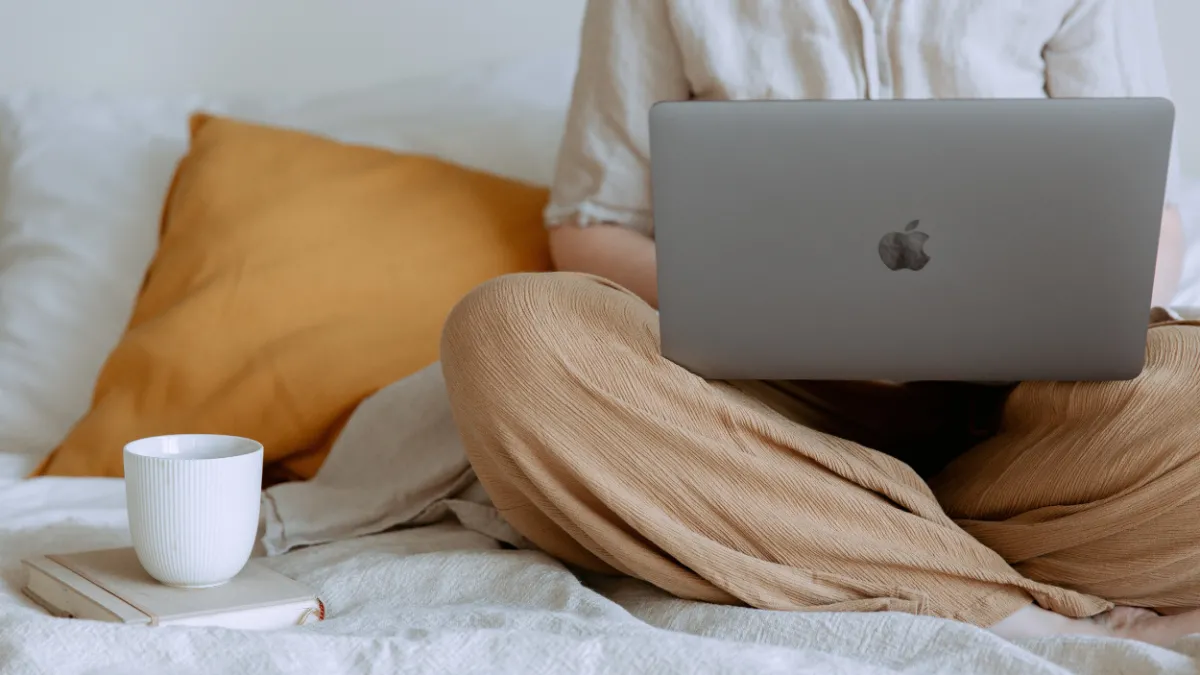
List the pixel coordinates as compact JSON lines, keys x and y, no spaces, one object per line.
{"x":419,"y":574}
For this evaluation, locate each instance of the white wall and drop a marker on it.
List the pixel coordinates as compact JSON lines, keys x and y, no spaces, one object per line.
{"x":263,"y":46}
{"x":298,"y":46}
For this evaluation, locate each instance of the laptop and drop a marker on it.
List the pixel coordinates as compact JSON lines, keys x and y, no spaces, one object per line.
{"x":985,"y":240}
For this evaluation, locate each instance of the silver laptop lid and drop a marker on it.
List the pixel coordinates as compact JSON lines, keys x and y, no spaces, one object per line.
{"x":908,"y":240}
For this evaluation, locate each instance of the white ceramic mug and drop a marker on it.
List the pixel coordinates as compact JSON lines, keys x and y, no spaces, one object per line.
{"x":193,"y":503}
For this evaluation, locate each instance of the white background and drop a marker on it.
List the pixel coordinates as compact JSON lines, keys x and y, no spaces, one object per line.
{"x":298,"y":46}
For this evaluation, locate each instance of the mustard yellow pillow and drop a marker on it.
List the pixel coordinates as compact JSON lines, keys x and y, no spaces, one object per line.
{"x":295,"y":276}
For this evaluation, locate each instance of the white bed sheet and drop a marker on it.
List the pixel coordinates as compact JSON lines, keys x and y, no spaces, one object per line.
{"x":442,"y":598}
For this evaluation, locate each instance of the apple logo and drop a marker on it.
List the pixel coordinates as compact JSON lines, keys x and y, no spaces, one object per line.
{"x":904,"y":250}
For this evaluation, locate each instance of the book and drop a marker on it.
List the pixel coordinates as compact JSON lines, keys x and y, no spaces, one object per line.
{"x":110,"y":585}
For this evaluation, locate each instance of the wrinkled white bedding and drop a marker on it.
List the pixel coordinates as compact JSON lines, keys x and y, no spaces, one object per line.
{"x":443,"y":596}
{"x":443,"y":599}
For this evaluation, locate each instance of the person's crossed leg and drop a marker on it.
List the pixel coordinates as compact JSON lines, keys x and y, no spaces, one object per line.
{"x":614,"y":459}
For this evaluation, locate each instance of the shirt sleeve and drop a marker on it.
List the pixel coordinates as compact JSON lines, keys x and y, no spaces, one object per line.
{"x":629,"y":60}
{"x":1111,"y":48}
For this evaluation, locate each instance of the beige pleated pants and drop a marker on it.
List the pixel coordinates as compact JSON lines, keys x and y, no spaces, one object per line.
{"x":794,"y":496}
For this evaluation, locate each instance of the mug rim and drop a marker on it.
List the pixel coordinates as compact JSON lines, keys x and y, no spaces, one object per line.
{"x":144,"y":448}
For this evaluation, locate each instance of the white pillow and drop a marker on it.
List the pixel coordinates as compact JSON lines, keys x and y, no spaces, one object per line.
{"x":77,"y":231}
{"x":87,"y":177}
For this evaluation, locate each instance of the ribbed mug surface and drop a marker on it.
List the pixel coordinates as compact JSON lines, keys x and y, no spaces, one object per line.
{"x":193,"y":504}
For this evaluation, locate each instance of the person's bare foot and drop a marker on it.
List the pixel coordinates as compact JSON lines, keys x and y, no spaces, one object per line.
{"x":1128,"y":623}
{"x":1032,"y":621}
{"x":1133,"y":623}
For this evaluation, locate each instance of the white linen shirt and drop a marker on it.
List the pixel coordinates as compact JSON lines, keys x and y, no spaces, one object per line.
{"x":635,"y":53}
